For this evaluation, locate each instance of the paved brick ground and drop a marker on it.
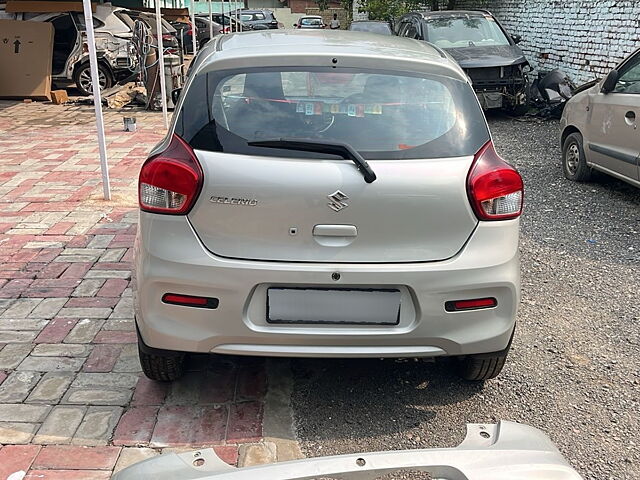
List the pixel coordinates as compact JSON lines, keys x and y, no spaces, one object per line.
{"x":73,"y":404}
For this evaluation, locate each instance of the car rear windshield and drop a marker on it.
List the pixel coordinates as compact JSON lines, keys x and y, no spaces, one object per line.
{"x":474,"y":31}
{"x":310,"y":21}
{"x":383,"y":115}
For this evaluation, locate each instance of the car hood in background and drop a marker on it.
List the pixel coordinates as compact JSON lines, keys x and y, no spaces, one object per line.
{"x":492,"y":56}
{"x":502,"y":451}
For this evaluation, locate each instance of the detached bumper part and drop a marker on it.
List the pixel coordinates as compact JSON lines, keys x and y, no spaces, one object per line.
{"x":502,"y":451}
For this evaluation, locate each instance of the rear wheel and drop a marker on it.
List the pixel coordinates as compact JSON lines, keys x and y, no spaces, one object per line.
{"x":482,"y":366}
{"x":574,"y":162}
{"x":160,"y":365}
{"x":82,"y":78}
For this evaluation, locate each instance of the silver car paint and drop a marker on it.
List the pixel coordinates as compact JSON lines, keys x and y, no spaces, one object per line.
{"x":171,"y":257}
{"x":435,"y":217}
{"x":502,"y":451}
{"x":601,"y":119}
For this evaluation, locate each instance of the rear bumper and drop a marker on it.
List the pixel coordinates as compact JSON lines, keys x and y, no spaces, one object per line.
{"x":170,"y":259}
{"x":502,"y":451}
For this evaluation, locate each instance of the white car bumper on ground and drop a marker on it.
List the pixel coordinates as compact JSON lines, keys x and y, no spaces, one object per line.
{"x":171,"y":259}
{"x":502,"y":451}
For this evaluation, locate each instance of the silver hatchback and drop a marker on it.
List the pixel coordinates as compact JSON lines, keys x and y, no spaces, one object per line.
{"x":327,"y":194}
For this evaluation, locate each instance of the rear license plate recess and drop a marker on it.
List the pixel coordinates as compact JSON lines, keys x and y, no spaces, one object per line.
{"x":311,"y":306}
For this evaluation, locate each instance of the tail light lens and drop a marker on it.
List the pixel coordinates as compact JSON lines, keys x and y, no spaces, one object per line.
{"x":170,"y":182}
{"x":166,"y":36}
{"x":226,"y":30}
{"x":495,"y":188}
{"x":474,"y":304}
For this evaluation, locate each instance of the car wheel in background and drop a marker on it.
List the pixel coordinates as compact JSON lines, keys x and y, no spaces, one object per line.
{"x":82,"y":78}
{"x":160,"y":365}
{"x":574,"y":163}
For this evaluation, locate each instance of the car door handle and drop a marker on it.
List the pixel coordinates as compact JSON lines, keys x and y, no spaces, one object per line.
{"x":630,"y":119}
{"x":335,"y":231}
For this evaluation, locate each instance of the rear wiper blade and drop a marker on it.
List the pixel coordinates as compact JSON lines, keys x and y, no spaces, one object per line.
{"x":341,"y":149}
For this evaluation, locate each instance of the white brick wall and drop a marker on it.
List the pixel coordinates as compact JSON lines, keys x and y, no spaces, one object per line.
{"x":584,"y":38}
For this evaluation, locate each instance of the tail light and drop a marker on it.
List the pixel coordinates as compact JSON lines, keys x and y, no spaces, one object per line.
{"x":167,"y":36}
{"x":170,"y":182}
{"x":226,"y":30}
{"x":190,"y":301}
{"x":474,"y":304}
{"x":495,"y":188}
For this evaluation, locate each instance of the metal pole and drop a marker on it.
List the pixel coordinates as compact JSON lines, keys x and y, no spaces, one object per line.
{"x":163,"y":83}
{"x":97,"y":99}
{"x":194,"y":28}
{"x":224,"y":25}
{"x":210,"y":22}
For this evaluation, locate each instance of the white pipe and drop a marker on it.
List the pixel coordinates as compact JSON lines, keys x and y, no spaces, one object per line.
{"x":210,"y":22}
{"x":163,"y":82}
{"x":224,"y":26}
{"x":97,"y":99}
{"x":194,"y":28}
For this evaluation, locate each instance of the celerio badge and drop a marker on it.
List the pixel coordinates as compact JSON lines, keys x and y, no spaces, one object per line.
{"x":337,"y":202}
{"x":248,"y":202}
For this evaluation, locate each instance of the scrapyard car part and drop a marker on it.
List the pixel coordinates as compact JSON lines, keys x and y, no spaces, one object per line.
{"x":502,"y":451}
{"x":550,"y":91}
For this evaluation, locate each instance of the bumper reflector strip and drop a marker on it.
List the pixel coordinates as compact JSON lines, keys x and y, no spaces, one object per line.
{"x":475,"y":304}
{"x":190,"y":301}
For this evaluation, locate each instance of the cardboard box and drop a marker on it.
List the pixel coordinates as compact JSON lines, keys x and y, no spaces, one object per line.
{"x":26,"y":50}
{"x":26,"y":6}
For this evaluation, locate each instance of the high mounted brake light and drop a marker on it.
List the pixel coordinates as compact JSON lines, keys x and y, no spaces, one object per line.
{"x":170,"y":181}
{"x":495,"y":188}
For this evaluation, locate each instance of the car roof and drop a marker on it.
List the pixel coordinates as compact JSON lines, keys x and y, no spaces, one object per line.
{"x":455,"y":13}
{"x":311,"y":16}
{"x":304,"y":47}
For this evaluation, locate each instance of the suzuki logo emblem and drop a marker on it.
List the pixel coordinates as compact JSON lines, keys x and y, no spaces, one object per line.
{"x":337,"y":202}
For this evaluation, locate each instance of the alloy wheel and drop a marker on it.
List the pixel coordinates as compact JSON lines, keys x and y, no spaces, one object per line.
{"x":86,"y":83}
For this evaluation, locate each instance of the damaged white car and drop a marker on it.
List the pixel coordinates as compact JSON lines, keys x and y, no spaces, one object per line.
{"x":70,"y":62}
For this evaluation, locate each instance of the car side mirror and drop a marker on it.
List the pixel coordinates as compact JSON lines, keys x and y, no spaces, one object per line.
{"x":610,"y":81}
{"x":175,"y":95}
{"x":516,"y":38}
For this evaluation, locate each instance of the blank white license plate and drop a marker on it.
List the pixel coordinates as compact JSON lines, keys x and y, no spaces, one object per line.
{"x":317,"y":306}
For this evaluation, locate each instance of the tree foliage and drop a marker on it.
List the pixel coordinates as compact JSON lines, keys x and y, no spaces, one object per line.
{"x":391,"y":9}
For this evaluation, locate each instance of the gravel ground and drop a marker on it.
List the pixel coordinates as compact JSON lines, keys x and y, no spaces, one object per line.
{"x":574,"y":368}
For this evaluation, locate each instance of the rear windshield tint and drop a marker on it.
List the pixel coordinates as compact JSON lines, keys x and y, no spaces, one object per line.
{"x":383,"y":115}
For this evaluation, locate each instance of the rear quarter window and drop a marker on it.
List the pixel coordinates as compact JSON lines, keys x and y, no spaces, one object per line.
{"x":383,"y":115}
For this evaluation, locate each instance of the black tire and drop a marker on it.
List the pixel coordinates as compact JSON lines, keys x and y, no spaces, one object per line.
{"x":82,"y":78}
{"x":160,"y":365}
{"x":574,"y":162}
{"x":519,"y":110}
{"x":482,"y":366}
